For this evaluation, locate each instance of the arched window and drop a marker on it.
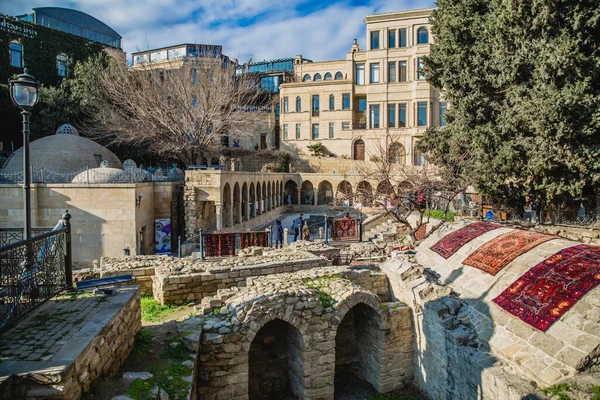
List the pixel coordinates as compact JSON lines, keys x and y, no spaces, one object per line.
{"x":328,"y":76}
{"x":298,"y":104}
{"x":317,"y":77}
{"x":419,"y":158}
{"x":397,"y":153}
{"x":306,"y":78}
{"x":61,"y":65}
{"x":331,"y":102}
{"x":422,"y":36}
{"x":339,"y":76}
{"x":16,"y":55}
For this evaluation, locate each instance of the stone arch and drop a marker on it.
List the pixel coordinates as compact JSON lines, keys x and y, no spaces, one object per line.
{"x":358,"y":150}
{"x":397,"y":153}
{"x":358,"y":342}
{"x":252,"y":201}
{"x":325,"y":193}
{"x":307,"y":193}
{"x":291,"y":192}
{"x":277,"y":194}
{"x":227,"y":209}
{"x":385,"y":189}
{"x":364,"y":192}
{"x":268,"y":200}
{"x":245,"y":202}
{"x":344,"y":192}
{"x":264,"y":198}
{"x":275,"y":361}
{"x":237,"y":204}
{"x":259,"y":198}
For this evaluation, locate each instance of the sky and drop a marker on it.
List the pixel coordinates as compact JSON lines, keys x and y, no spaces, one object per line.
{"x":257,"y":29}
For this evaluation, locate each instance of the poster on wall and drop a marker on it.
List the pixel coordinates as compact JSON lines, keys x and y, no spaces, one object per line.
{"x":162,"y":235}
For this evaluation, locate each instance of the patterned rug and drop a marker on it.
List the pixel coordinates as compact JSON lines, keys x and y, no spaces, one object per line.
{"x":548,"y":290}
{"x":500,"y":251}
{"x":421,"y":232}
{"x":454,"y":241}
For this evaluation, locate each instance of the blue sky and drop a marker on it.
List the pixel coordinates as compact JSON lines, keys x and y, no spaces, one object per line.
{"x":261,"y":29}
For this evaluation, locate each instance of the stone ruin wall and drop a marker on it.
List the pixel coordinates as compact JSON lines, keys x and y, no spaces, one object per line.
{"x":103,"y":356}
{"x":286,"y":314}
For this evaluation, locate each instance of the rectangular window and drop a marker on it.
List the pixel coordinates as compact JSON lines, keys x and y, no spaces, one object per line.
{"x":402,"y":115}
{"x":375,"y":73}
{"x":392,"y":39}
{"x":362,"y":105}
{"x":442,"y":114}
{"x":286,"y":105}
{"x":331,"y":130}
{"x":345,"y":125}
{"x":375,"y":40}
{"x":402,"y":68}
{"x":374,"y":112}
{"x":61,"y":65}
{"x":360,"y":74}
{"x":331,"y":102}
{"x":285,"y":132}
{"x":420,"y":72}
{"x":345,"y":101}
{"x":392,"y":71}
{"x":422,"y":113}
{"x":315,"y":131}
{"x":297,"y":131}
{"x":392,"y":115}
{"x":315,"y":105}
{"x":298,"y":104}
{"x":402,"y":37}
{"x":277,"y":109}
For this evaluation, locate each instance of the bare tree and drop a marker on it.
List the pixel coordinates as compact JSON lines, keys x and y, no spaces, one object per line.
{"x":179,"y":113}
{"x":402,"y":190}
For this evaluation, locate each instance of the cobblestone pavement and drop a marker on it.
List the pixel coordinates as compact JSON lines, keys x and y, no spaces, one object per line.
{"x":46,"y":331}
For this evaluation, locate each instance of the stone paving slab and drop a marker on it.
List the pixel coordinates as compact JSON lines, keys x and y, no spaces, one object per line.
{"x":48,"y":340}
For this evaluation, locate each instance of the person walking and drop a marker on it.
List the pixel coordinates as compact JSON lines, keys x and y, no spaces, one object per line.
{"x":278,"y":235}
{"x":297,"y":226}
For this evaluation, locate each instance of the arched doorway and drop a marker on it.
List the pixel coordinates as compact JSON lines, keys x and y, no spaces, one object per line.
{"x":252,"y":201}
{"x":364,"y":192}
{"x":307,"y":193}
{"x":275,"y":362}
{"x":245,"y":202}
{"x":290,"y":194}
{"x":258,"y":206}
{"x":325,"y":194}
{"x":359,"y":150}
{"x":237,"y":200}
{"x":226,"y":206}
{"x":358,"y":344}
{"x":263,"y":204}
{"x":344,"y":193}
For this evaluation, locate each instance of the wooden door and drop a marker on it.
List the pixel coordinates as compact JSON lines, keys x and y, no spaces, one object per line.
{"x":359,"y":150}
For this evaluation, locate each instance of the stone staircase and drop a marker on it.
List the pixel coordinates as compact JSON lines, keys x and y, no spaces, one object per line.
{"x":381,"y":232}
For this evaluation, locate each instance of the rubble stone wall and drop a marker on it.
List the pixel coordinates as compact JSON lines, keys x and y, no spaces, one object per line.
{"x":579,"y":234}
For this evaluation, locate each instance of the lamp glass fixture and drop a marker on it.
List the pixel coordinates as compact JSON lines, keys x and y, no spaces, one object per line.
{"x":24,"y":91}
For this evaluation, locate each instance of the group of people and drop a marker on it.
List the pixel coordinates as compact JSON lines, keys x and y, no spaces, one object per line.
{"x":278,"y":231}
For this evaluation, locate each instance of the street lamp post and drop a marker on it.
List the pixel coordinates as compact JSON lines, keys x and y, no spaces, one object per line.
{"x":24,"y":94}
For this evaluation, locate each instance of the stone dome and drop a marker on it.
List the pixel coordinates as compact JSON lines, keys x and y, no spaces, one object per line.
{"x":63,"y":153}
{"x":67,"y":129}
{"x":103,"y":175}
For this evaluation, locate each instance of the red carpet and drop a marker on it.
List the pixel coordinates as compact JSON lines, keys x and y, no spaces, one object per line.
{"x":548,"y":290}
{"x":421,"y":232}
{"x":499,"y":252}
{"x":454,"y":241}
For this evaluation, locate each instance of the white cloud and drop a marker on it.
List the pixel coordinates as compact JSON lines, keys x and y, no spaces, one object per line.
{"x":272,"y":28}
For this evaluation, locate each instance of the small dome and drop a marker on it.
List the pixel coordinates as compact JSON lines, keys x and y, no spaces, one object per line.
{"x":129,"y":164}
{"x":63,"y":154}
{"x":103,"y":175}
{"x":67,"y":129}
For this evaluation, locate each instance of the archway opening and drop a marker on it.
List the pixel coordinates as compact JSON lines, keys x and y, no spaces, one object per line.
{"x":359,"y":150}
{"x":275,"y":362}
{"x":227,"y":209}
{"x":307,"y":193}
{"x":237,"y":201}
{"x":358,"y":344}
{"x":252,"y":201}
{"x":245,"y":202}
{"x":364,"y":192}
{"x":344,"y":193}
{"x":291,"y":192}
{"x":325,"y":193}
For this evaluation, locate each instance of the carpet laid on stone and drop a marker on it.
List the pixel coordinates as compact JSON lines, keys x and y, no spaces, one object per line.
{"x":496,"y":254}
{"x":454,"y":241}
{"x":549,"y":289}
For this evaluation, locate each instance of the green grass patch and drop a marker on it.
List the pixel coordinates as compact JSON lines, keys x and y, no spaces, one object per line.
{"x":154,"y":312}
{"x":319,"y":284}
{"x":439,"y":214}
{"x":178,"y":352}
{"x":596,"y":392}
{"x":140,"y":390}
{"x":168,"y":376}
{"x":142,"y":339}
{"x":557,"y":390}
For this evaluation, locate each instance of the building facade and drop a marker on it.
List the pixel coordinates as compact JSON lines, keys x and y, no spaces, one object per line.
{"x":173,"y":57}
{"x":374,"y":103}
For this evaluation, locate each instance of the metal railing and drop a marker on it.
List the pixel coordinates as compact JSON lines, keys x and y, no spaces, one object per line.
{"x":12,"y":235}
{"x":32,"y":271}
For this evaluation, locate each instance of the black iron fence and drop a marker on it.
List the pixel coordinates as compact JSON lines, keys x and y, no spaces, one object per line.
{"x":32,"y":271}
{"x":12,"y":235}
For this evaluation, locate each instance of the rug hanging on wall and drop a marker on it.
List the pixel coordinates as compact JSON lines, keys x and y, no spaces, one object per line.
{"x":496,"y":254}
{"x":548,"y":290}
{"x":454,"y":241}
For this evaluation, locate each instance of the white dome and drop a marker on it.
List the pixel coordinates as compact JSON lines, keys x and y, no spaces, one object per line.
{"x":67,"y":129}
{"x":63,"y":153}
{"x":103,"y":175}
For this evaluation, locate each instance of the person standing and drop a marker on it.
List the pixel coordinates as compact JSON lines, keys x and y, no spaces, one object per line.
{"x":297,"y":226}
{"x":278,"y":235}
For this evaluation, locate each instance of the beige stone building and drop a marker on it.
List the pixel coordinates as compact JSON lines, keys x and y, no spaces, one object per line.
{"x":376,"y":100}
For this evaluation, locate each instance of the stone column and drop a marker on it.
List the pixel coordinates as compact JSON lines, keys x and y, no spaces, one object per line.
{"x":315,"y":201}
{"x":285,"y":236}
{"x":299,"y":199}
{"x":219,"y":211}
